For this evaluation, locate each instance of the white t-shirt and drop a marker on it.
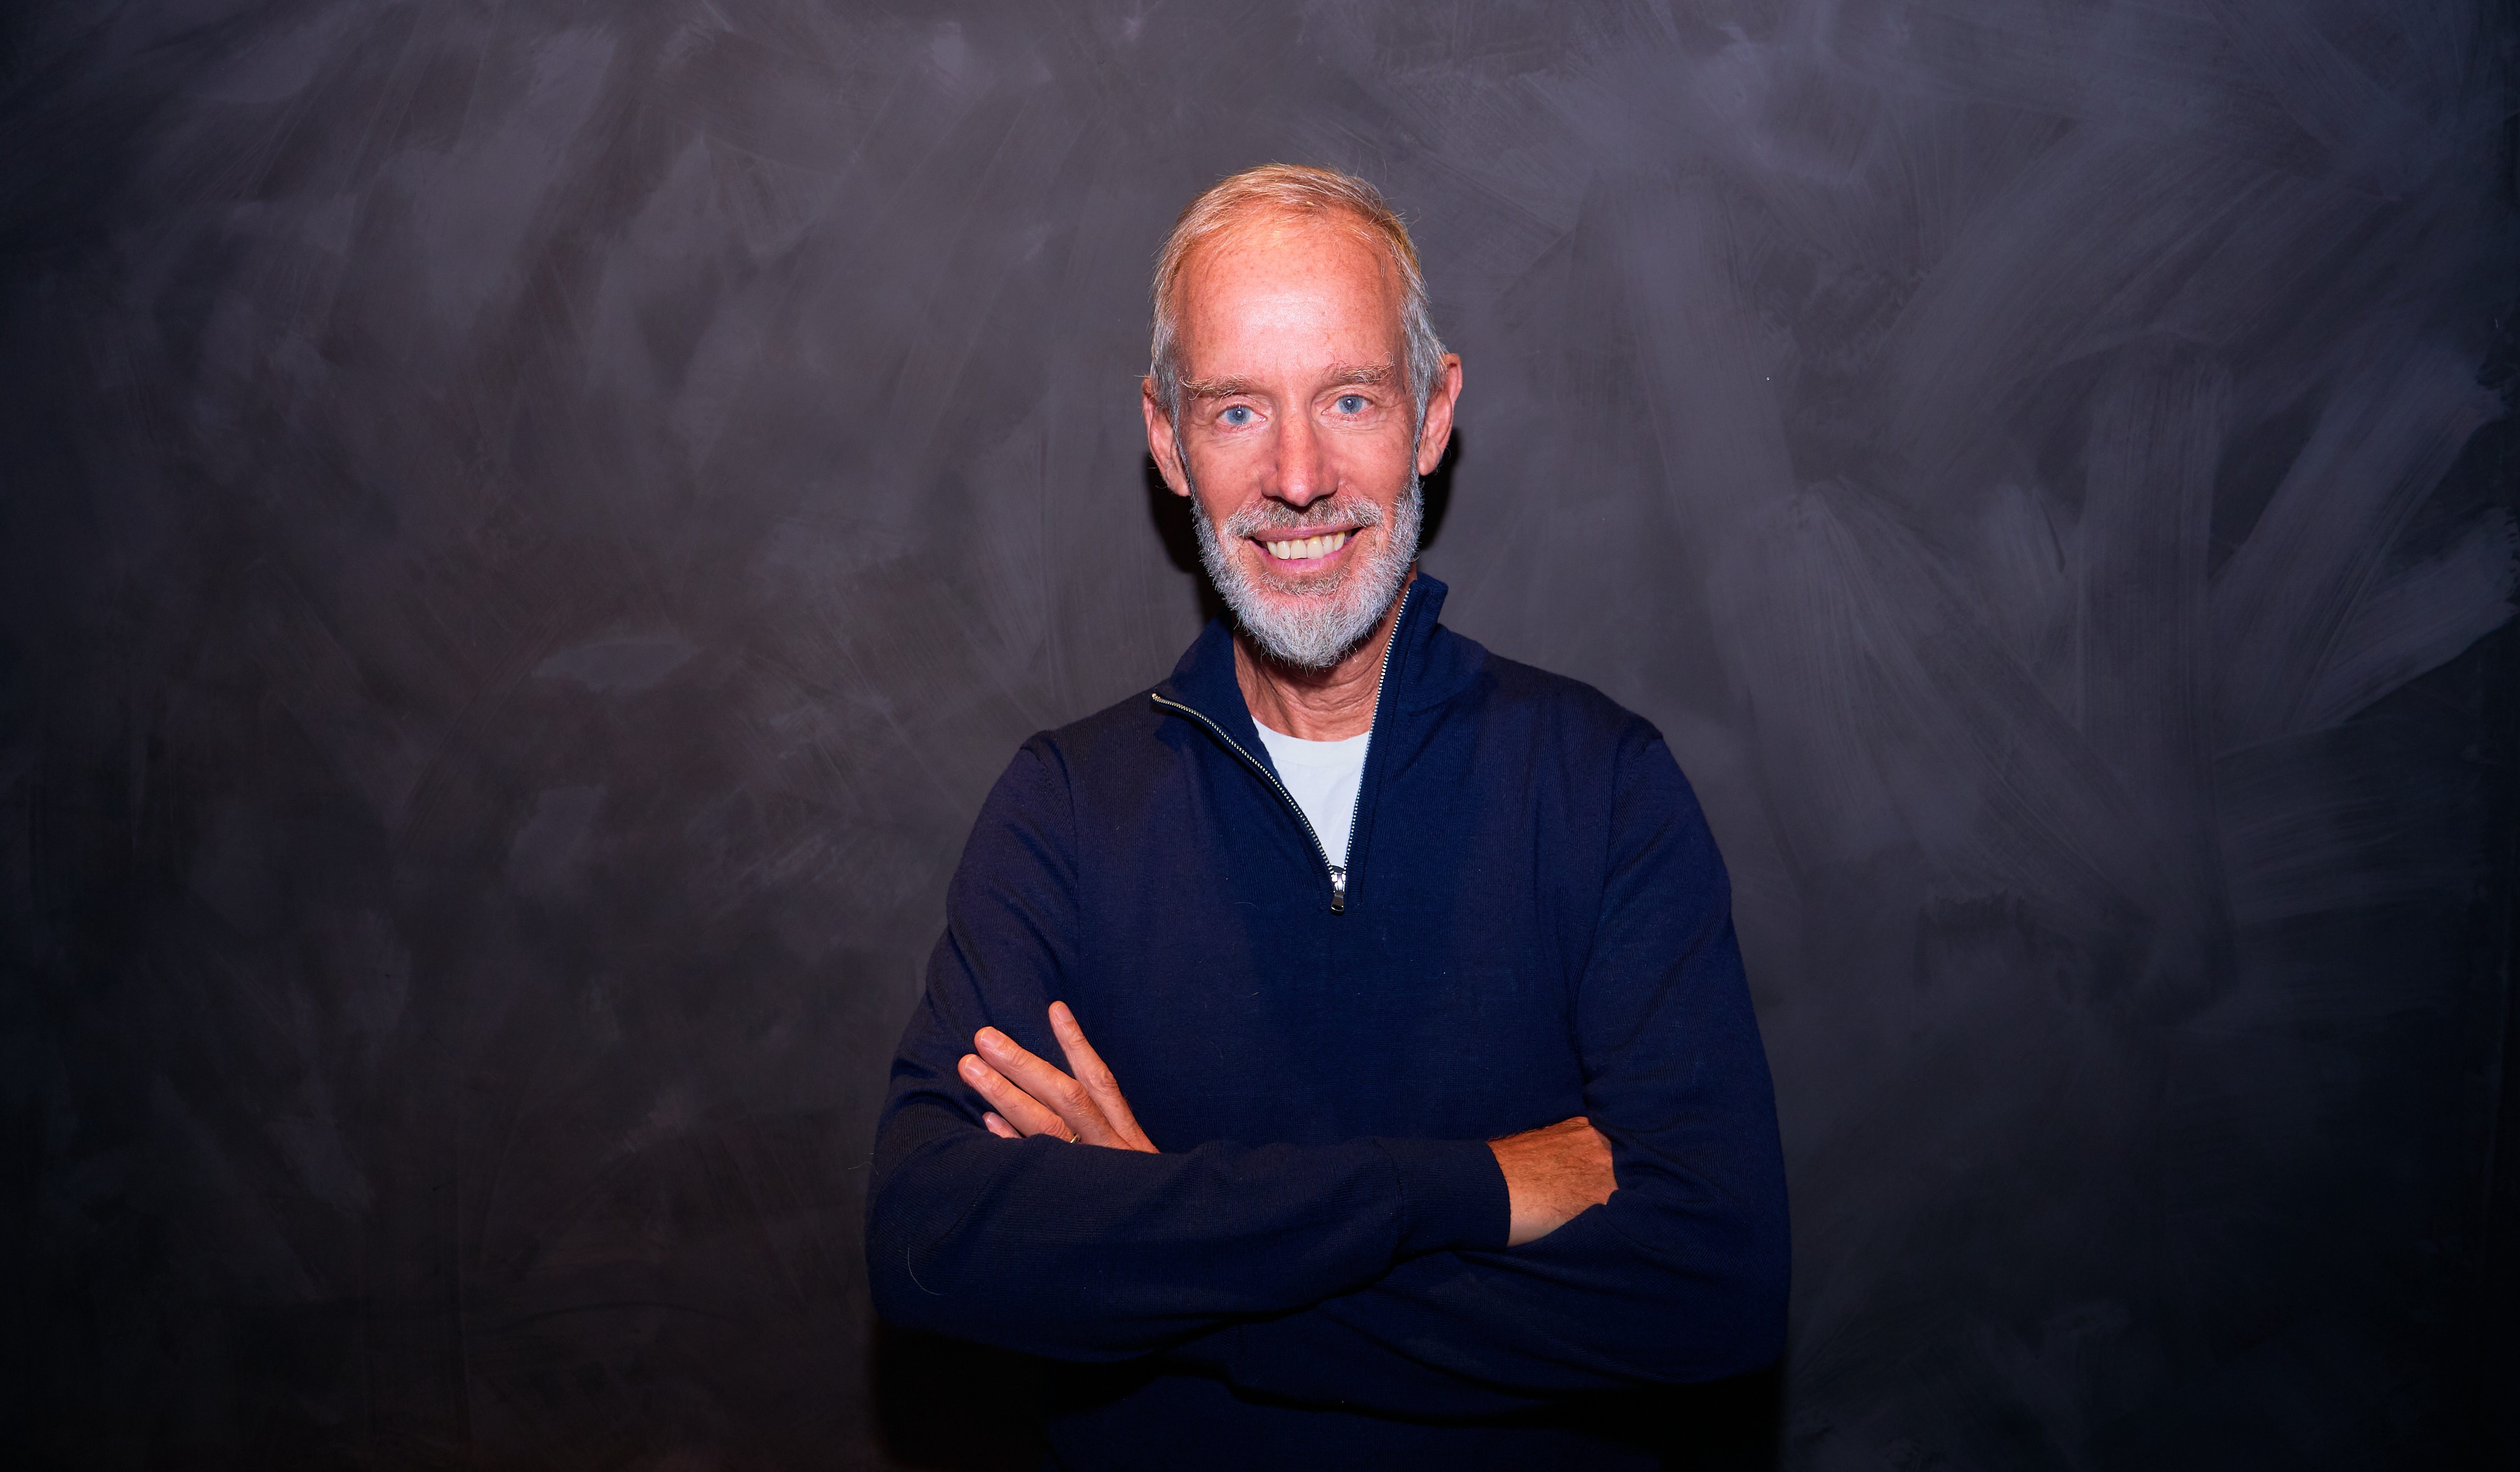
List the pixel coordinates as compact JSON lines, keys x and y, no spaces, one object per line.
{"x":1323,"y":775}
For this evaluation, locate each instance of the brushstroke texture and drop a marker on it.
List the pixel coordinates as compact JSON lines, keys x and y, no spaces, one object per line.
{"x":527,"y":530}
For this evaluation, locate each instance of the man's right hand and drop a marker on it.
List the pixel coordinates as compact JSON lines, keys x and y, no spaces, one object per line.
{"x":1033,"y":1097}
{"x":1552,"y":1172}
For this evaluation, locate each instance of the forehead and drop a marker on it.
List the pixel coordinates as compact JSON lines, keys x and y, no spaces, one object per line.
{"x":1288,"y":272}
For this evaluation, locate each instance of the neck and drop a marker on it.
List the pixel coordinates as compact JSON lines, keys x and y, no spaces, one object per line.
{"x":1318,"y":705}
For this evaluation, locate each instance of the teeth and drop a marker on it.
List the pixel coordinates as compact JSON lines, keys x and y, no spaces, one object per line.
{"x":1305,"y":549}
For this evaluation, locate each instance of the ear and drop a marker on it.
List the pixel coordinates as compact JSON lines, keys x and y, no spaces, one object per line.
{"x":1160,"y":442}
{"x":1435,"y":430}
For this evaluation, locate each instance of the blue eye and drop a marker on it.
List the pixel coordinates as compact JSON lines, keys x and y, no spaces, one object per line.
{"x":1237,"y":415}
{"x":1351,"y":403}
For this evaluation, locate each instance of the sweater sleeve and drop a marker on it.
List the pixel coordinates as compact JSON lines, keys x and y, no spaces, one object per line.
{"x":1082,"y":1253}
{"x":1682,"y":1275}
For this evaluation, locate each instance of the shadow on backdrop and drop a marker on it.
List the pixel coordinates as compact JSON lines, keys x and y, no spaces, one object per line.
{"x":953,"y":1407}
{"x":950,"y":1405}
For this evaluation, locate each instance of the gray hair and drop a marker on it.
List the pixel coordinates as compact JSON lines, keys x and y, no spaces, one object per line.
{"x":1292,"y":189}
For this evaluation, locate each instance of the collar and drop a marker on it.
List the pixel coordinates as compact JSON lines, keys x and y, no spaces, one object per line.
{"x":1428,"y":664}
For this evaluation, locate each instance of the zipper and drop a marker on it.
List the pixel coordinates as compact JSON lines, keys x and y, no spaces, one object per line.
{"x":1356,"y":809}
{"x":1337,"y":872}
{"x":1338,"y":875}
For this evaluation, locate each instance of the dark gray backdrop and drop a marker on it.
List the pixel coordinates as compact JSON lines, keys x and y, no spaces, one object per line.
{"x":529,"y":527}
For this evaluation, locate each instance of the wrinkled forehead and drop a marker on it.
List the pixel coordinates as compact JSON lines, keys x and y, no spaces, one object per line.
{"x":1327,"y":251}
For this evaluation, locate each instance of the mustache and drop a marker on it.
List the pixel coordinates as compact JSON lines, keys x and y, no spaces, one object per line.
{"x":1324,"y":515}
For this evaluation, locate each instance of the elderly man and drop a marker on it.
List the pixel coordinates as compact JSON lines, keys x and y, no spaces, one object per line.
{"x":1445,"y":1112}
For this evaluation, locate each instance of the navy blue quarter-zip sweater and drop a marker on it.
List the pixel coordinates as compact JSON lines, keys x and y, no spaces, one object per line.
{"x":1534,"y":924}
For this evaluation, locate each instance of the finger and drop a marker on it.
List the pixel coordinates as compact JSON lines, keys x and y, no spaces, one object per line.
{"x":998,"y":1127}
{"x":1088,"y":1068}
{"x":1096,"y":1074}
{"x":1029,"y":1115}
{"x":1024,"y":1114}
{"x":1053,"y":1090}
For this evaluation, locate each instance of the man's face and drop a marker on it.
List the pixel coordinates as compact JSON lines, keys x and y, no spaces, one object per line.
{"x":1299,"y":431}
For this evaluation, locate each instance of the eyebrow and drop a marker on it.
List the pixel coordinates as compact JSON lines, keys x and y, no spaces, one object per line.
{"x":1227,"y":388}
{"x":1218,"y":389}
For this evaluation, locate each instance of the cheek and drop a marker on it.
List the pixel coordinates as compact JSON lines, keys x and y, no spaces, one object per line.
{"x":1377,"y":465}
{"x":1218,"y":502}
{"x":1229,"y":455}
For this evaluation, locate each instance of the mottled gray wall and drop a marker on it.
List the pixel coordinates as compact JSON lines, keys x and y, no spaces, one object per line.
{"x":529,"y":527}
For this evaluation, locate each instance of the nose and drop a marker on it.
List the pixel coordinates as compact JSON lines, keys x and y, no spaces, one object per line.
{"x":1304,"y":474}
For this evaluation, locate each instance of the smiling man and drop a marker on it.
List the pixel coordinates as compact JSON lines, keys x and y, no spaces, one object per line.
{"x":1424,"y":1120}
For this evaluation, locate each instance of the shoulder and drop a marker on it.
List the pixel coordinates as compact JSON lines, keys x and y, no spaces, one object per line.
{"x":1555,"y":705}
{"x":1057,"y":775}
{"x":1123,"y":746}
{"x":1588,"y":736}
{"x":1121,"y":730}
{"x":1648,"y":805}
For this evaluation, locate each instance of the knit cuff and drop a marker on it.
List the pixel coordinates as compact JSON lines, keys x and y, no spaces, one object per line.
{"x":1452,"y":1195}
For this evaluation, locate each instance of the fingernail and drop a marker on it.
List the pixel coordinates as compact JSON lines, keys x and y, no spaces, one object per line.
{"x":969,"y":1067}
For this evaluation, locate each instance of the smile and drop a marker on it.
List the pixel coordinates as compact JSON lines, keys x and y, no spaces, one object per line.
{"x":1306,"y":549}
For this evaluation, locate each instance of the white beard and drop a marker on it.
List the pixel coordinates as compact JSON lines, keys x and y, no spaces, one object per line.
{"x":1312,"y":625}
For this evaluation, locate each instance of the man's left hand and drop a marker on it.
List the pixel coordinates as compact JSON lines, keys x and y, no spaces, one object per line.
{"x":1033,"y":1097}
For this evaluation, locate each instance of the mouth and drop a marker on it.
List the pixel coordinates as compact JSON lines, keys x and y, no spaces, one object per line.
{"x":1303,"y":553}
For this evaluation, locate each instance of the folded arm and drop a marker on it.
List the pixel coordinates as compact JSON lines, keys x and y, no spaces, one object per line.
{"x":1552,"y":1174}
{"x":1374,"y":1271}
{"x":1682,"y":1274}
{"x":1044,"y":1246}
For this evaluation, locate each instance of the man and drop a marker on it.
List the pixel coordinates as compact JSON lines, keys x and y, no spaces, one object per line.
{"x":1445,"y":1112}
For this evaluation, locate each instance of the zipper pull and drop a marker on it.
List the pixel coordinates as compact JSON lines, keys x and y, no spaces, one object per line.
{"x":1338,"y":890}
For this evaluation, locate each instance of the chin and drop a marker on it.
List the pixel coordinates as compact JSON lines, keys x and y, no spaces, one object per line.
{"x":1297,"y":589}
{"x":1313,"y":620}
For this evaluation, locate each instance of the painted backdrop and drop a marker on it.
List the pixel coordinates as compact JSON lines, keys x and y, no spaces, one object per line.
{"x":527,"y":529}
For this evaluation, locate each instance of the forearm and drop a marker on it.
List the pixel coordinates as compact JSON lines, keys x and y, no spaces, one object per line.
{"x":1083,"y":1252}
{"x":1682,"y":1275}
{"x":1079,"y":1252}
{"x":1483,"y":1333}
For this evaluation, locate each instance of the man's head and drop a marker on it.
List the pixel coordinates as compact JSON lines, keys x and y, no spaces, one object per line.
{"x":1297,"y":393}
